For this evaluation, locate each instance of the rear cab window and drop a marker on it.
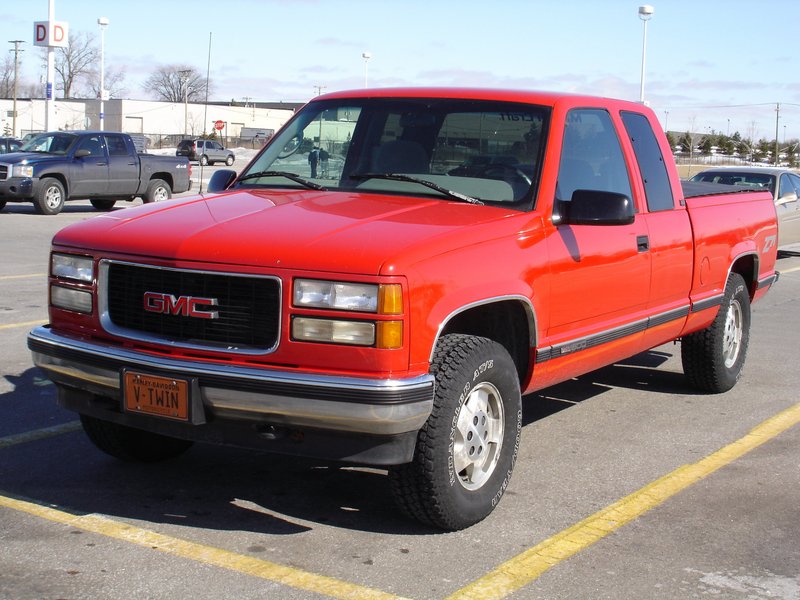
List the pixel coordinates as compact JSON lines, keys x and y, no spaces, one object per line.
{"x":652,"y":167}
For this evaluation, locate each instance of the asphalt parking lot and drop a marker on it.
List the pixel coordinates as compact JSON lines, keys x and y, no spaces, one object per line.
{"x":629,"y":485}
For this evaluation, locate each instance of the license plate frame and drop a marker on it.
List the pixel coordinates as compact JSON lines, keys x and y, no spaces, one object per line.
{"x":157,"y":395}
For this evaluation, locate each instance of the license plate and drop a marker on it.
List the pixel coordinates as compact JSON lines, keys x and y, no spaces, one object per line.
{"x":158,"y":396}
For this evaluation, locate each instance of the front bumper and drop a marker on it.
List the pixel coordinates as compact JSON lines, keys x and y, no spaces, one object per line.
{"x":373,"y":421}
{"x":18,"y":188}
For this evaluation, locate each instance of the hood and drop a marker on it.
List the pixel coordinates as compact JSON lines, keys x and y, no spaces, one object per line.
{"x":307,"y":230}
{"x":30,"y":157}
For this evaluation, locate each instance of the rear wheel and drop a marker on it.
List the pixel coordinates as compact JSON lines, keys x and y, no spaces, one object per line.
{"x":50,"y":198}
{"x":129,"y":444}
{"x":713,"y":358}
{"x":467,"y":449}
{"x":102,"y":204}
{"x":157,"y":191}
{"x":2,"y":204}
{"x":204,"y":160}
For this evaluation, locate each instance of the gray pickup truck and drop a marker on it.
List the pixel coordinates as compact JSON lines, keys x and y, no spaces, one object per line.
{"x":97,"y":165}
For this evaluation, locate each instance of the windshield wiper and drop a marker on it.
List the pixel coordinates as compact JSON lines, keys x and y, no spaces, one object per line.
{"x":425,"y":182}
{"x":287,"y":175}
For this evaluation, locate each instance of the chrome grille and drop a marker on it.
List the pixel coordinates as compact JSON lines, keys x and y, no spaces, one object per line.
{"x":248,"y":307}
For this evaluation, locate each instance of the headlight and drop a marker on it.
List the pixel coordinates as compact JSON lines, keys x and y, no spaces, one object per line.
{"x":312,"y":293}
{"x":70,"y":299}
{"x":22,"y":171}
{"x":358,"y":333}
{"x":70,"y":266}
{"x":385,"y":299}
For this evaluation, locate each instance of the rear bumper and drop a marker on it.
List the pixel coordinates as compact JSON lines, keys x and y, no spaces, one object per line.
{"x":374,"y":421}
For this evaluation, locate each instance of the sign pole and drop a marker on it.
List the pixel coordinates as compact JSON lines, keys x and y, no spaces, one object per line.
{"x":49,"y":116}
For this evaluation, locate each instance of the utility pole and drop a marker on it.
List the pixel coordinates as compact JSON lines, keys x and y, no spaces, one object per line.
{"x":16,"y":52}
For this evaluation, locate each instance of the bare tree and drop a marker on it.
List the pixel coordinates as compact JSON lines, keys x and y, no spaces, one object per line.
{"x":75,"y":64}
{"x":7,"y":77}
{"x":114,"y":82}
{"x":171,"y":82}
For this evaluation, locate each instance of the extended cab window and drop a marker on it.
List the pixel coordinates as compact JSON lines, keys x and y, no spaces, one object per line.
{"x":591,"y":156}
{"x":651,"y":162}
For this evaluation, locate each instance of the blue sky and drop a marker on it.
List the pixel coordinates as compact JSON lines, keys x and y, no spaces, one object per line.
{"x":711,"y":64}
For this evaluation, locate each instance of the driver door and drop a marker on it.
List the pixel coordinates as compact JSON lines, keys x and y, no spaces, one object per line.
{"x":89,"y":174}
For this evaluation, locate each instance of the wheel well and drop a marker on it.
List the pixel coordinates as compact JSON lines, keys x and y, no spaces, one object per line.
{"x":747,"y":267}
{"x":507,"y":322}
{"x":58,"y":177}
{"x":167,"y":177}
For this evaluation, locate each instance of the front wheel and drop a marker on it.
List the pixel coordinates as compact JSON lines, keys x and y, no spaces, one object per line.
{"x":158,"y":190}
{"x":2,"y":204}
{"x":466,"y":450}
{"x":102,"y":204}
{"x":713,"y":358}
{"x":229,"y":160}
{"x":129,"y":444}
{"x":50,"y":198}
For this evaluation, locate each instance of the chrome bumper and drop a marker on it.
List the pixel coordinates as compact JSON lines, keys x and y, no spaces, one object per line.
{"x":350,"y":405}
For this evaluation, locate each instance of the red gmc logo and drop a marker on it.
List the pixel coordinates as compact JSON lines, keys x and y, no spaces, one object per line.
{"x":185,"y":306}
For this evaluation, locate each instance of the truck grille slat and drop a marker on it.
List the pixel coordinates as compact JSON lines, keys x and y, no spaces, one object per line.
{"x":248,"y":307}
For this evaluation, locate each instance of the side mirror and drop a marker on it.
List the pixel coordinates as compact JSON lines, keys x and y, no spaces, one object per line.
{"x":220,"y":180}
{"x":82,"y":153}
{"x":592,"y":207}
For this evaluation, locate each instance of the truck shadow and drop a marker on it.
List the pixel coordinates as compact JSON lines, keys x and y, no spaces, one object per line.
{"x":229,"y":489}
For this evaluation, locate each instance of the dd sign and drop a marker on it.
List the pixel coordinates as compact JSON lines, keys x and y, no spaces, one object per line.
{"x":51,"y":34}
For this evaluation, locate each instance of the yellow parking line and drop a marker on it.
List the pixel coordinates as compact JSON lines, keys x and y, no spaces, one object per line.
{"x":296,"y":578}
{"x":528,"y":566}
{"x":26,"y":324}
{"x":39,"y":434}
{"x":28,"y":276}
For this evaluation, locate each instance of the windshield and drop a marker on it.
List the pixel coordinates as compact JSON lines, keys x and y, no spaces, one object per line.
{"x":50,"y":143}
{"x":479,"y":151}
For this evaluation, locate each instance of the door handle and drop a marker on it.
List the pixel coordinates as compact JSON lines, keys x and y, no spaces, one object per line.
{"x":642,"y":243}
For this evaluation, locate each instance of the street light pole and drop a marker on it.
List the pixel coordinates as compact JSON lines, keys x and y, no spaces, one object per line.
{"x":366,"y":56}
{"x":645,"y":13}
{"x":103,"y":23}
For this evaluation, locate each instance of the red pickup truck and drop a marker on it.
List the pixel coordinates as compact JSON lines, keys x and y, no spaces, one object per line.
{"x":389,"y":275}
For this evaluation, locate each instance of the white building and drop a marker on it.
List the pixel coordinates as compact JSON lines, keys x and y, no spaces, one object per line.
{"x":160,"y":122}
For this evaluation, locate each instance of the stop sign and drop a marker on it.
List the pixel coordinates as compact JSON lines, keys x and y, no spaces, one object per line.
{"x":218,"y":125}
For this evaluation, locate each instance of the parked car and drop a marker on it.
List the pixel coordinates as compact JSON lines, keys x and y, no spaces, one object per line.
{"x":97,"y":165}
{"x":206,"y":152}
{"x":783,"y":184}
{"x":9,"y":144}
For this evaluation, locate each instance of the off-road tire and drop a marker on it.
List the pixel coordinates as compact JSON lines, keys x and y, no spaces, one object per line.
{"x":466,"y":450}
{"x":132,"y":445}
{"x":158,"y":190}
{"x":713,"y":358}
{"x":103,"y":204}
{"x":50,"y":197}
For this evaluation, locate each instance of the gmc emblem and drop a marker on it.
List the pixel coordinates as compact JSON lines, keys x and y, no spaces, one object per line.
{"x":185,"y":306}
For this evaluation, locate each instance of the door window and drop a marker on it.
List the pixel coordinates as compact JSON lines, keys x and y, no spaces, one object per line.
{"x":591,"y":156}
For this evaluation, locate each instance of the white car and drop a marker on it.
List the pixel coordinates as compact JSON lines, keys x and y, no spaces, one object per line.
{"x":784,"y":184}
